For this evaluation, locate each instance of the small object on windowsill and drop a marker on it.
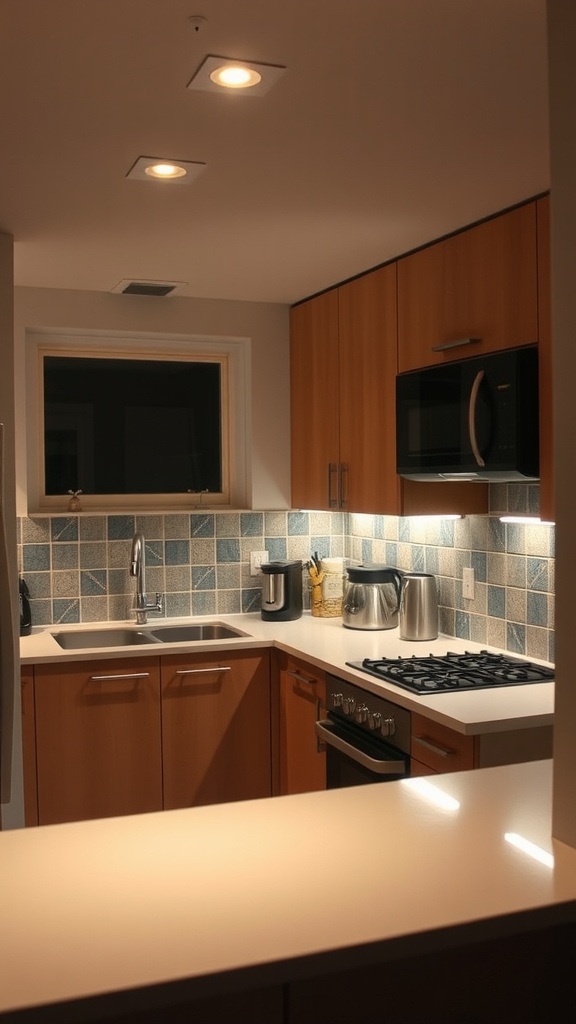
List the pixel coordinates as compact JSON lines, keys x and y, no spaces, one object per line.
{"x":74,"y":503}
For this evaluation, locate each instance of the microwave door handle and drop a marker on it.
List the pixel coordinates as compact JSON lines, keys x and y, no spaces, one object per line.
{"x":472,"y":418}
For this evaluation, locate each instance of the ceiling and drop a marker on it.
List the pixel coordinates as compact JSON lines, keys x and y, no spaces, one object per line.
{"x":395,"y":122}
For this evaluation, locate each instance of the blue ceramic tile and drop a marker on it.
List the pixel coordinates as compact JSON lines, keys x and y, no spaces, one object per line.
{"x":431,"y":561}
{"x":251,"y":600}
{"x":202,"y":525}
{"x":154,"y":553}
{"x":227,"y":550}
{"x":496,"y":602}
{"x":120,"y":527}
{"x":63,"y":529}
{"x":251,"y":524}
{"x":536,"y":609}
{"x":378,"y":527}
{"x":404,"y":530}
{"x":515,"y":539}
{"x":176,"y":552}
{"x":204,"y":602}
{"x":418,"y":560}
{"x":203,"y":577}
{"x":276,"y":548}
{"x":298,"y":524}
{"x":391,"y":552}
{"x":36,"y":557}
{"x":462,"y":625}
{"x":516,"y":637}
{"x":93,"y":582}
{"x":367,"y":557}
{"x":496,"y":534}
{"x":447,"y":533}
{"x":478,"y":561}
{"x":65,"y":611}
{"x":537,"y":576}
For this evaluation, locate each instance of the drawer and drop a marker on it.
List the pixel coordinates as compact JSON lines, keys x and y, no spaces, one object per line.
{"x":440,"y":748}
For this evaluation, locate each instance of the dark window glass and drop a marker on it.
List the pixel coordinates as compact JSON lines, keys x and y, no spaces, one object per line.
{"x":132,"y":426}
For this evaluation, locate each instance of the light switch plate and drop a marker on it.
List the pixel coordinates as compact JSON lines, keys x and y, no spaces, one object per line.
{"x":468,"y":584}
{"x":256,"y":559}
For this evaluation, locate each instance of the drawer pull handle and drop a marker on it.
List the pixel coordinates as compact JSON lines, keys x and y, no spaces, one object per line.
{"x":128,"y":675}
{"x":455,"y":344}
{"x":441,"y":751}
{"x":301,"y":679}
{"x":202,"y":671}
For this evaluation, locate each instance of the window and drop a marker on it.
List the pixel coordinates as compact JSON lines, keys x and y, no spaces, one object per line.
{"x":144,"y":428}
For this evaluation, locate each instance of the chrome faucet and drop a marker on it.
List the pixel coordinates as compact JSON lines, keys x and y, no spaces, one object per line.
{"x":138,"y":569}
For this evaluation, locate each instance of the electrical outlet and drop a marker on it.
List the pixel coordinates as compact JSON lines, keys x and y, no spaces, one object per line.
{"x":468,"y":584}
{"x":256,"y":559}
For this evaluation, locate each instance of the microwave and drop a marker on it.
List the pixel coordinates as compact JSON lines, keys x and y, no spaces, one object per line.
{"x":474,"y":419}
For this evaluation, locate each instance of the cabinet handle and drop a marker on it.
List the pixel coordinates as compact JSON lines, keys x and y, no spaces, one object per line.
{"x":333,"y":469}
{"x":456,"y":344}
{"x":343,"y":486}
{"x":441,"y":751}
{"x":128,"y":675}
{"x":472,"y":418}
{"x":202,"y":671}
{"x":301,"y":679}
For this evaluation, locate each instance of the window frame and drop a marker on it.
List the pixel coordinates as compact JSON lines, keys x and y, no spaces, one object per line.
{"x":230,"y":353}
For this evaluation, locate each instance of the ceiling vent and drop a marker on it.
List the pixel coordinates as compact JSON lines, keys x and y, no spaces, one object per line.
{"x":158,"y":288}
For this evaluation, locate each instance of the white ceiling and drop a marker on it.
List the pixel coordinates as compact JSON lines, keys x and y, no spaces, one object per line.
{"x":395,"y":122}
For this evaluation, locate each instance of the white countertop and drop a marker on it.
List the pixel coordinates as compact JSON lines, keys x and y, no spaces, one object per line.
{"x":329,"y":645}
{"x":198,"y":895}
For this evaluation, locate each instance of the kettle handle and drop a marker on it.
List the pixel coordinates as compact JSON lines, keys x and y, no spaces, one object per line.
{"x":397,"y":580}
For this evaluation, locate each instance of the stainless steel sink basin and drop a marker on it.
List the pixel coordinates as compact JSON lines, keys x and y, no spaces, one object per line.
{"x":76,"y":639}
{"x":198,"y":631}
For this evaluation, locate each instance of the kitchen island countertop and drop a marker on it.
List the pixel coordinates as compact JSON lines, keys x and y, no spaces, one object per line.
{"x":329,"y":646}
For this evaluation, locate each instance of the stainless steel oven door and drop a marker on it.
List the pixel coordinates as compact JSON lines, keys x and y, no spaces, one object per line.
{"x":354,"y":758}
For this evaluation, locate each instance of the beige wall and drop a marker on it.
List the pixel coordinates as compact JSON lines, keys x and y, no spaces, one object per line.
{"x":266,"y":325}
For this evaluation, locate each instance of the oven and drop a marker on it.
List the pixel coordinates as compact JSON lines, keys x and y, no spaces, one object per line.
{"x":367,"y":737}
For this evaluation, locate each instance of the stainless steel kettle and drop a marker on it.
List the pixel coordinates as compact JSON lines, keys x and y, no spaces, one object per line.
{"x":418,"y":618}
{"x":371,"y":597}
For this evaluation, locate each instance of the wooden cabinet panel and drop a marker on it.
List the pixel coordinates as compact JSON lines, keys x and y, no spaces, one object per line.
{"x":98,"y":739}
{"x":479,"y":283}
{"x":314,"y":378}
{"x":29,"y":746}
{"x":545,"y":361}
{"x":302,"y":698}
{"x":439,"y":748}
{"x":215,"y":727}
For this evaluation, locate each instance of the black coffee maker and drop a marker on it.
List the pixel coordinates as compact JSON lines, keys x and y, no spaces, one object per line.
{"x":281,"y":590}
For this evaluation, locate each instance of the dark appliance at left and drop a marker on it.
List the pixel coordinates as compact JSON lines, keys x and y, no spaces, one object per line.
{"x":367,"y":737}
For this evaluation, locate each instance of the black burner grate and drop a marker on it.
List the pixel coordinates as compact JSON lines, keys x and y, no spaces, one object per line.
{"x":453,"y":672}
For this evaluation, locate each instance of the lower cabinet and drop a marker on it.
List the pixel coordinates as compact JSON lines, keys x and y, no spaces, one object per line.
{"x":302,"y":696}
{"x":215,"y":727}
{"x":435,"y":748}
{"x":98,"y":739}
{"x":29,"y":745}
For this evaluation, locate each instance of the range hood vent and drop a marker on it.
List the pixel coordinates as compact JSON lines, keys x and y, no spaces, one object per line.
{"x":155,"y":288}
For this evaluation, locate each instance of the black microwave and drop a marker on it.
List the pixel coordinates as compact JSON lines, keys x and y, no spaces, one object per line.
{"x":475,"y":419}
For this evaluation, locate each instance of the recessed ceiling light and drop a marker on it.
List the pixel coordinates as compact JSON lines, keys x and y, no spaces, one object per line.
{"x":217,"y":73}
{"x":151,"y":168}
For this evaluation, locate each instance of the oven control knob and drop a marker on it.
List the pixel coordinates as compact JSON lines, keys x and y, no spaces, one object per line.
{"x":388,"y":726}
{"x":348,"y":705}
{"x":337,"y":700}
{"x":361,"y":713}
{"x":375,"y":721}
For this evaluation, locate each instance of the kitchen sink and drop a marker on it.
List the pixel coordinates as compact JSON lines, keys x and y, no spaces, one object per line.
{"x":78,"y":639}
{"x":198,"y":631}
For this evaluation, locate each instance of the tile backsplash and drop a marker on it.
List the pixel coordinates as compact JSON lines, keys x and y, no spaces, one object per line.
{"x":77,"y":566}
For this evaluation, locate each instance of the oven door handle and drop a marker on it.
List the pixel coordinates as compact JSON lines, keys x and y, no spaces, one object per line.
{"x":395,"y":767}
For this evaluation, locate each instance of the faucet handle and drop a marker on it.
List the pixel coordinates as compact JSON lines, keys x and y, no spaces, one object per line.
{"x":159,"y":606}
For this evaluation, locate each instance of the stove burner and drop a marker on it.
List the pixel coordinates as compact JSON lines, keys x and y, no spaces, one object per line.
{"x":454,"y":672}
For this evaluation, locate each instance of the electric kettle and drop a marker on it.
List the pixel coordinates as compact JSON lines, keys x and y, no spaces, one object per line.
{"x":371,"y":597}
{"x":418,"y":617}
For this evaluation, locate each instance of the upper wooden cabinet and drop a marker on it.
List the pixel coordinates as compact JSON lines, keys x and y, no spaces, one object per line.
{"x":481,"y":283}
{"x":343,"y":407}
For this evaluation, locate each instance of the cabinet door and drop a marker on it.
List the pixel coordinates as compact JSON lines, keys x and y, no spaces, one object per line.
{"x":439,"y":748}
{"x":314,"y":402}
{"x":545,"y":361}
{"x":98,"y":739}
{"x":302,"y":698}
{"x":216,"y":728}
{"x":480,"y":283}
{"x":368,"y":359}
{"x":29,"y":746}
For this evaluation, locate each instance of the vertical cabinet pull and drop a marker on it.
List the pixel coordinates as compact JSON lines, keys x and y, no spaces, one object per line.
{"x":333,"y":489}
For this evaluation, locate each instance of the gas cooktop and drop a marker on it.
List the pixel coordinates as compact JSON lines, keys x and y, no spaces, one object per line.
{"x":449,"y":673}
